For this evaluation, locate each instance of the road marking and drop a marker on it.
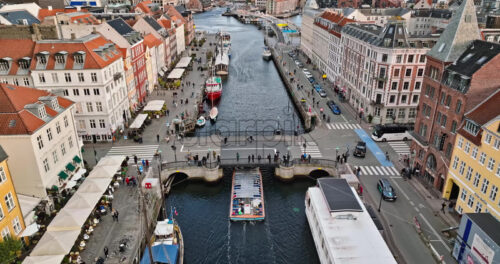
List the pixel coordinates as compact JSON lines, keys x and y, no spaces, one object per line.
{"x":412,"y":203}
{"x":379,"y":170}
{"x":385,"y":171}
{"x":434,"y":231}
{"x":343,"y":117}
{"x":401,"y":191}
{"x":363,"y":170}
{"x":416,"y":209}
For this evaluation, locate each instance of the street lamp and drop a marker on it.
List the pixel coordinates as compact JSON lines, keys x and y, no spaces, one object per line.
{"x":174,"y":148}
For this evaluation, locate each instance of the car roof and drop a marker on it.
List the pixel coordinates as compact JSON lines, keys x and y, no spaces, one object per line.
{"x":385,"y":181}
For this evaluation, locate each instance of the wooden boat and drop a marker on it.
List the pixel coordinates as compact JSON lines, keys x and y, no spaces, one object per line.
{"x":167,"y":243}
{"x":247,"y":196}
{"x":213,"y":114}
{"x":201,"y":121}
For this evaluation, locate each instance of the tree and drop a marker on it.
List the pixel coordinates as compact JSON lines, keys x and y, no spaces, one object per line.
{"x":209,"y":55}
{"x":9,"y":248}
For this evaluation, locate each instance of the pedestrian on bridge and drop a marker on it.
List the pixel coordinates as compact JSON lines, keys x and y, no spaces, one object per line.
{"x":269,"y":158}
{"x":237,"y":156}
{"x":249,"y":157}
{"x":258,"y":158}
{"x":253,"y":158}
{"x":309,"y":158}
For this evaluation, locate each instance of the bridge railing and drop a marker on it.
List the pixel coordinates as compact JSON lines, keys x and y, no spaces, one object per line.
{"x":264,"y":161}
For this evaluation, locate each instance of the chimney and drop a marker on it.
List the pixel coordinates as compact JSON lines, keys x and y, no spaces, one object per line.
{"x":94,"y":31}
{"x":49,"y":7}
{"x":73,"y":36}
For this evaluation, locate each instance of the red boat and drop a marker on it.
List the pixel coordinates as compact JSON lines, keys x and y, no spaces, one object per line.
{"x":213,"y":88}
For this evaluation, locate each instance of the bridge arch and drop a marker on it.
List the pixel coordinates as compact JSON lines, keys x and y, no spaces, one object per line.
{"x":318,"y":173}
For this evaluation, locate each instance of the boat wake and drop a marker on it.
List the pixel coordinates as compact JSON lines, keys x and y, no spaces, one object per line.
{"x":228,"y":241}
{"x":270,"y":239}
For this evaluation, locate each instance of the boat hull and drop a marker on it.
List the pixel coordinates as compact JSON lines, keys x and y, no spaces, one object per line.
{"x":266,"y":57}
{"x":212,"y":96}
{"x":254,"y":214}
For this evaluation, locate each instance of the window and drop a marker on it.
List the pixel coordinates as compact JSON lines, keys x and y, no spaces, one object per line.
{"x":399,"y":58}
{"x":401,"y":113}
{"x":449,"y":148}
{"x":93,"y":76}
{"x":392,"y":99}
{"x":65,"y":121}
{"x":76,"y":92}
{"x":9,"y":201}
{"x":80,"y":77}
{"x":67,"y":77}
{"x":60,"y":59}
{"x":470,"y":127}
{"x":98,"y":106}
{"x":408,"y":73}
{"x":54,"y":156}
{"x":458,"y":107}
{"x":462,"y":168}
{"x":463,"y":195}
{"x":46,"y":165}
{"x":443,"y":121}
{"x":474,"y":152}
{"x":479,"y":206}
{"x":16,"y":225}
{"x":63,"y":149}
{"x":477,"y":177}
{"x":406,"y":85}
{"x":26,"y":81}
{"x":394,"y":86}
{"x":493,"y":192}
{"x":484,"y":186}
{"x":482,"y":158}
{"x":420,"y":72}
{"x":3,"y":177}
{"x":86,"y":91}
{"x":491,"y":164}
{"x":70,"y":142}
{"x":410,"y":58}
{"x":384,"y":57}
{"x":49,"y":134}
{"x":403,"y":99}
{"x":468,"y":175}
{"x":92,"y":123}
{"x":39,"y":141}
{"x":396,"y":73}
{"x":101,"y":123}
{"x":417,"y":85}
{"x":455,"y":163}
{"x":443,"y":97}
{"x":412,"y":112}
{"x":422,"y":58}
{"x":460,"y":142}
{"x":448,"y":101}
{"x":96,"y":91}
{"x":90,"y":108}
{"x":467,"y":147}
{"x":81,"y":124}
{"x":41,"y":78}
{"x":496,"y":145}
{"x":470,"y":202}
{"x":389,"y":113}
{"x":487,"y":139}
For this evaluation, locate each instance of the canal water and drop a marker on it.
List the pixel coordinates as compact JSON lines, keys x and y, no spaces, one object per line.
{"x":252,"y":90}
{"x":254,"y":98}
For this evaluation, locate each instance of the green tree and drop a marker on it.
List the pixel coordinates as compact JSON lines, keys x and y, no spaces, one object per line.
{"x":8,"y":249}
{"x":209,"y":55}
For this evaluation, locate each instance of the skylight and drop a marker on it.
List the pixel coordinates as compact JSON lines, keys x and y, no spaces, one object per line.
{"x":467,"y":57}
{"x":481,"y":60}
{"x":441,"y":48}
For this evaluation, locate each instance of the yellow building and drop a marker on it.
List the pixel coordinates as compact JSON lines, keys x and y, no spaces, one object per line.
{"x":474,"y":174}
{"x":11,"y":217}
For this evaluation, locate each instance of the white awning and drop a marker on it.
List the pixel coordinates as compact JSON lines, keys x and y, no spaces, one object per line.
{"x":70,"y":184}
{"x":139,"y":120}
{"x":27,"y":203}
{"x":56,"y":243}
{"x":49,"y":259}
{"x":78,"y":174}
{"x":154,"y":105}
{"x":176,"y":74}
{"x":30,"y":230}
{"x":184,"y":62}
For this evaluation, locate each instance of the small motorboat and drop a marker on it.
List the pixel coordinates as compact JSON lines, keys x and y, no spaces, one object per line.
{"x":266,"y":54}
{"x":213,"y":113}
{"x":201,"y":121}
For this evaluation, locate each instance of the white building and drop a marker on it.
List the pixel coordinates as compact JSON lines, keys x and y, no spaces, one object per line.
{"x":148,"y":25}
{"x":424,"y":22}
{"x":383,"y":70}
{"x":40,"y":136}
{"x":15,"y":62}
{"x":342,"y":229}
{"x":311,"y":11}
{"x":377,"y":16}
{"x":88,"y":71}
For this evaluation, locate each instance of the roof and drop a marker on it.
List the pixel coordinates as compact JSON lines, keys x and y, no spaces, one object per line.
{"x":338,"y":195}
{"x":489,"y":224}
{"x":3,"y":155}
{"x":384,"y":11}
{"x":151,"y":41}
{"x":152,"y":23}
{"x":485,"y":111}
{"x":15,"y":118}
{"x":182,"y":10}
{"x":311,"y":4}
{"x":124,"y":29}
{"x":32,"y":8}
{"x":43,"y":13}
{"x":19,"y":49}
{"x":17,"y":17}
{"x":477,"y":54}
{"x":167,"y":24}
{"x":144,"y":6}
{"x":174,"y":14}
{"x":458,"y":34}
{"x":162,"y":253}
{"x":99,"y":52}
{"x":434,"y":13}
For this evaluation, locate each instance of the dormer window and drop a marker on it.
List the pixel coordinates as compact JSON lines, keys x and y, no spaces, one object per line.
{"x":41,"y":112}
{"x":24,"y":63}
{"x":42,"y":58}
{"x":471,"y":127}
{"x":60,"y":59}
{"x":79,"y":57}
{"x":5,"y":64}
{"x":54,"y":104}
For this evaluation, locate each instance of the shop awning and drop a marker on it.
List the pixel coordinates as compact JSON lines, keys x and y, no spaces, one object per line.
{"x":78,"y":174}
{"x":77,"y":159}
{"x":154,"y":105}
{"x":184,"y":62}
{"x":30,"y":230}
{"x":139,"y":120}
{"x":70,"y":167}
{"x":48,"y":259}
{"x":176,"y":74}
{"x":63,"y":175}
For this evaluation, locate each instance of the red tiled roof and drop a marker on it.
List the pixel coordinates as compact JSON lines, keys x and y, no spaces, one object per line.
{"x":174,"y":14}
{"x":486,"y":110}
{"x":144,"y":6}
{"x":334,"y":18}
{"x":165,"y":23}
{"x":43,"y":13}
{"x":151,"y":41}
{"x":92,"y":59}
{"x":86,"y":18}
{"x":17,"y":49}
{"x":14,"y":118}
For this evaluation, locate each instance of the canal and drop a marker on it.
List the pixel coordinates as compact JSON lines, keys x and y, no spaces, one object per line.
{"x":253,"y":91}
{"x":254,"y":98}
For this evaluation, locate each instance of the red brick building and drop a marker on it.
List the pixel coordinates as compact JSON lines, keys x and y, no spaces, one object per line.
{"x":459,"y":74}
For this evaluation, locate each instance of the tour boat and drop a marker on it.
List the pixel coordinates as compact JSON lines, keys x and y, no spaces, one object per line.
{"x":213,"y":88}
{"x":222,"y":63}
{"x":201,"y":121}
{"x":266,"y":54}
{"x":213,"y":114}
{"x":247,"y":196}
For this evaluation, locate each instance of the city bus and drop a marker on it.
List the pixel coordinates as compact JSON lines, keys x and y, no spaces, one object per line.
{"x":390,"y":132}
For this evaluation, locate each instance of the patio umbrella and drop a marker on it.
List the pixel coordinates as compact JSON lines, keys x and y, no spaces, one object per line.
{"x":30,"y":230}
{"x":49,"y":259}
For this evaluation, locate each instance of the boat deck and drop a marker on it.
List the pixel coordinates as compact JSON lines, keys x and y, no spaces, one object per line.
{"x":247,"y":196}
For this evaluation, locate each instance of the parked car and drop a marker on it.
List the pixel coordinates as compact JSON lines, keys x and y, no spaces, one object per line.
{"x":317,"y":87}
{"x":306,"y":71}
{"x":335,"y":108}
{"x":386,"y":190}
{"x":301,"y":65}
{"x":311,"y":79}
{"x":360,"y":149}
{"x":322,"y":93}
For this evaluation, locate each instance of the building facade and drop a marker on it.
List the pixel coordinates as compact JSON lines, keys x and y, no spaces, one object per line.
{"x":15,"y":63}
{"x":11,"y":217}
{"x":40,"y":131}
{"x":88,"y":71}
{"x":424,"y":22}
{"x":474,"y":176}
{"x":280,"y":7}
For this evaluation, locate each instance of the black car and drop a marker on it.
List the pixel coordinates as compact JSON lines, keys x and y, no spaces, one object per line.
{"x":386,"y":190}
{"x":360,"y":149}
{"x":335,"y":108}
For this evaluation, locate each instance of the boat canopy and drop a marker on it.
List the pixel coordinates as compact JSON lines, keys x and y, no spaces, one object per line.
{"x":164,"y":228}
{"x":161,"y":254}
{"x":222,"y":59}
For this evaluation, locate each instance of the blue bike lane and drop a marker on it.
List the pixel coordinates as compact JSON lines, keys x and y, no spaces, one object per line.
{"x":372,"y":146}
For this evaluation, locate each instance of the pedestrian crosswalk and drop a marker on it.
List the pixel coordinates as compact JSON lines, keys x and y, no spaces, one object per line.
{"x":342,"y":126}
{"x":400,"y":147}
{"x":378,"y":170}
{"x":311,"y":149}
{"x":145,"y":152}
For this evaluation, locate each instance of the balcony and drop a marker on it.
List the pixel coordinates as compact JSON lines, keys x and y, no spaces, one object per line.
{"x":419,"y":139}
{"x":376,"y":102}
{"x":117,"y":76}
